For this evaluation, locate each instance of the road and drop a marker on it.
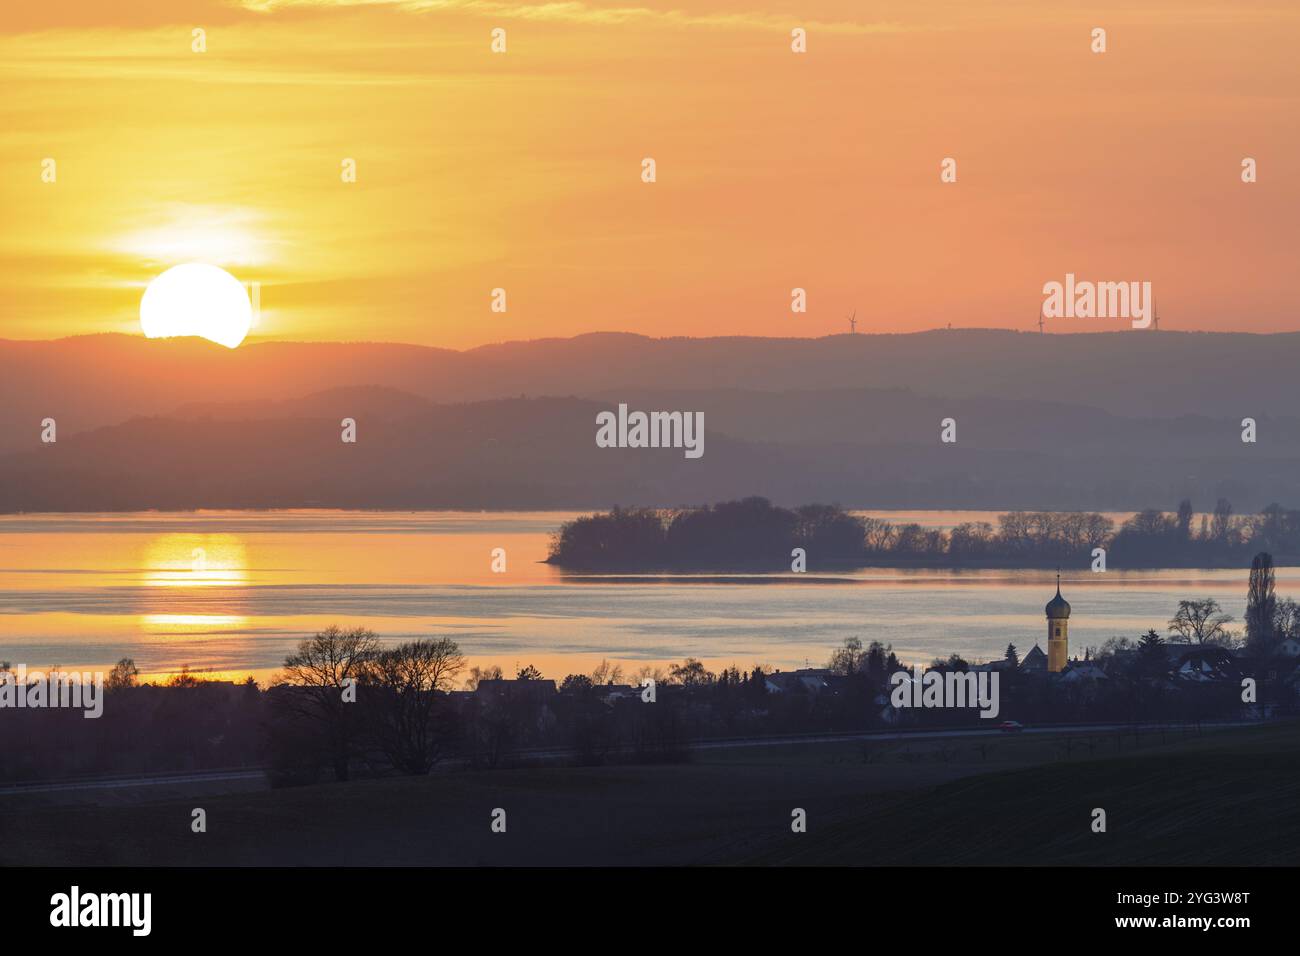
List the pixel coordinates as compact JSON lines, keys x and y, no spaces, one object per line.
{"x":132,"y":783}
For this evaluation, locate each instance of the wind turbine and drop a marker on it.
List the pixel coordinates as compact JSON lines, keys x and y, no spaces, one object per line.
{"x":853,"y":321}
{"x":1040,"y":318}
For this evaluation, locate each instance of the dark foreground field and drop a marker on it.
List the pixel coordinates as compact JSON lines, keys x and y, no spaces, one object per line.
{"x":1226,"y":797}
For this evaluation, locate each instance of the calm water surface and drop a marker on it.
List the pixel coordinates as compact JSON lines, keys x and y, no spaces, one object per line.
{"x":232,"y":592}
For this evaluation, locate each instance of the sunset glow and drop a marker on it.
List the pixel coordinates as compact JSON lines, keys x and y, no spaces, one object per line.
{"x":475,"y":171}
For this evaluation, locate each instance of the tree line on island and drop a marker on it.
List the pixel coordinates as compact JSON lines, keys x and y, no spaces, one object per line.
{"x":752,"y":534}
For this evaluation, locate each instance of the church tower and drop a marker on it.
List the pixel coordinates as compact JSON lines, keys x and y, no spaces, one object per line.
{"x":1058,"y":630}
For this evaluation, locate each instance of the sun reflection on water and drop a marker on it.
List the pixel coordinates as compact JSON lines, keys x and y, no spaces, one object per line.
{"x":179,"y":562}
{"x":195,"y":560}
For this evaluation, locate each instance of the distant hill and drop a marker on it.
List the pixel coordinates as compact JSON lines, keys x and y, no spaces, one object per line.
{"x":513,"y":453}
{"x":871,"y":450}
{"x":105,"y":379}
{"x":368,"y":401}
{"x":1114,"y":421}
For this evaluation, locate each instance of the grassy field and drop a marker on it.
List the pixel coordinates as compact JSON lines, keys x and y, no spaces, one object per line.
{"x":1227,"y":799}
{"x":1230,"y":796}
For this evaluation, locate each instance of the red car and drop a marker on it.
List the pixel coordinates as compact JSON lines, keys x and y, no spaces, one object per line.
{"x":1011,"y":726}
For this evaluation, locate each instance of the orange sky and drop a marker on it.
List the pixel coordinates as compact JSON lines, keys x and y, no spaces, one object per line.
{"x":522,"y":170}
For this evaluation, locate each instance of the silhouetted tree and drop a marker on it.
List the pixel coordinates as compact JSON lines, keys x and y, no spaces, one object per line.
{"x":477,"y":674}
{"x":405,"y":701}
{"x":1286,"y":620}
{"x":690,"y":673}
{"x":878,"y":535}
{"x":829,"y":532}
{"x":876,"y":662}
{"x":318,"y":671}
{"x":1185,"y":520}
{"x":123,"y":676}
{"x":1221,"y":527}
{"x":848,"y":659}
{"x":576,"y":685}
{"x":607,"y":673}
{"x":1151,"y":660}
{"x":1200,"y":622}
{"x":1261,"y":605}
{"x":184,"y":678}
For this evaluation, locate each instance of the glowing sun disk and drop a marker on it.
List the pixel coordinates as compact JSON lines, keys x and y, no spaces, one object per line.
{"x":196,"y":299}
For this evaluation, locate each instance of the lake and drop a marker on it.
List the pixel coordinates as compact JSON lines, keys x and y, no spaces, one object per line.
{"x":233,"y":592}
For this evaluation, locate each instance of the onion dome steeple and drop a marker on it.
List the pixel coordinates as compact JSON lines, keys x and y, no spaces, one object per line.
{"x":1058,"y":606}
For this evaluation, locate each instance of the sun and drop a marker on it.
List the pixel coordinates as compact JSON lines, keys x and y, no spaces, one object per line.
{"x":196,"y":299}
